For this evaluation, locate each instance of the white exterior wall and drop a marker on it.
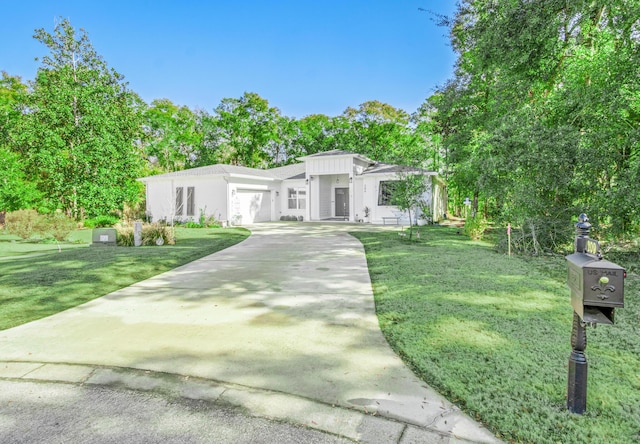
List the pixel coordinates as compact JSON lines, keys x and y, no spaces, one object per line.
{"x":209,"y":196}
{"x":283,"y":200}
{"x":371,"y":190}
{"x":329,"y":165}
{"x":160,"y":200}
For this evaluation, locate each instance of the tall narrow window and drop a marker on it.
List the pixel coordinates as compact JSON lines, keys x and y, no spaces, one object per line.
{"x":179,"y":201}
{"x":302,"y":198}
{"x":297,"y":198}
{"x":191,"y":207}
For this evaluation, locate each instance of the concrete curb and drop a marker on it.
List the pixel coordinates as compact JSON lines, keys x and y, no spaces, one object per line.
{"x":357,"y":425}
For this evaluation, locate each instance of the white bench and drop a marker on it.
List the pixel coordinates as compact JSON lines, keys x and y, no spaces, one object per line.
{"x":390,"y":218}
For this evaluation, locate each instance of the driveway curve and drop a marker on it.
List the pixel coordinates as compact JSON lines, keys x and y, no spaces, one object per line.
{"x":290,"y":310}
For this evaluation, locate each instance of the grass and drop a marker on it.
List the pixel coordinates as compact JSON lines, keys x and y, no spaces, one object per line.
{"x":492,"y":333}
{"x":39,"y":279}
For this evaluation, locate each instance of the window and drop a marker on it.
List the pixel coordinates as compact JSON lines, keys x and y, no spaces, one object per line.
{"x":179,"y":201}
{"x":385,"y":192}
{"x":297,"y":198}
{"x":191,"y":207}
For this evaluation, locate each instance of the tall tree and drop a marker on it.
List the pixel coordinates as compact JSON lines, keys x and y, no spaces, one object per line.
{"x":242,"y":132}
{"x":171,"y":136}
{"x":380,"y":131}
{"x":313,"y":134}
{"x":80,"y":128}
{"x":540,"y":120}
{"x":16,"y":192}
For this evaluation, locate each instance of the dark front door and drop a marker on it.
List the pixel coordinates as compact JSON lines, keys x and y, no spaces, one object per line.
{"x":342,"y":202}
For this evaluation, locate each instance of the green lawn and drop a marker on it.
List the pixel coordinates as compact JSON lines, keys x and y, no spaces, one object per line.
{"x":492,"y":333}
{"x":40,"y":279}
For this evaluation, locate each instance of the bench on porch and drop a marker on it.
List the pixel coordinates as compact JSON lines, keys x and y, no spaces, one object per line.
{"x":390,"y":218}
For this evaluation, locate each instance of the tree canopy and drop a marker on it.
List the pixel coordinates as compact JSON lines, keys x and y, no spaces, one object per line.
{"x":78,"y":128}
{"x":541,"y":118}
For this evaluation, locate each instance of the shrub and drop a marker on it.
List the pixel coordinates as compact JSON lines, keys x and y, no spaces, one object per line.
{"x":23,"y":223}
{"x":124,"y":235}
{"x":103,"y":221}
{"x":474,"y":227}
{"x":150,"y":234}
{"x":57,"y":225}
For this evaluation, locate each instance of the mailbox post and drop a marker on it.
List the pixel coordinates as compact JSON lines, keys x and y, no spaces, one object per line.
{"x":597,"y":289}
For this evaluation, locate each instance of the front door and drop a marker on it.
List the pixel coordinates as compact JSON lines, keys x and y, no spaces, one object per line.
{"x":342,"y":202}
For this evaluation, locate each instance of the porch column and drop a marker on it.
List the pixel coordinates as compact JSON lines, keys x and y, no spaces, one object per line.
{"x":352,"y":200}
{"x":307,"y":211}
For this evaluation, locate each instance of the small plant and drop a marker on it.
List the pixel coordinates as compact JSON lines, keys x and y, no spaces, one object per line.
{"x":366,"y":211}
{"x":23,"y":223}
{"x":57,"y":225}
{"x":474,"y":227}
{"x":124,"y":235}
{"x":150,"y":235}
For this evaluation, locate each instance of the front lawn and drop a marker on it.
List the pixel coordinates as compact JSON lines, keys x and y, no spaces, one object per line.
{"x":38,"y":280}
{"x":492,"y":333}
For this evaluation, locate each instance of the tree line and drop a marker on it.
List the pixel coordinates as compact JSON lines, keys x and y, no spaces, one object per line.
{"x":76,"y":138}
{"x":541,"y":120}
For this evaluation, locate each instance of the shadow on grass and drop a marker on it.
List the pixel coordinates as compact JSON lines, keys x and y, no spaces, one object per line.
{"x":36,"y":286}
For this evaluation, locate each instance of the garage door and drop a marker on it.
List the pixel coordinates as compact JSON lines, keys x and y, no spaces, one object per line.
{"x":254,"y":206}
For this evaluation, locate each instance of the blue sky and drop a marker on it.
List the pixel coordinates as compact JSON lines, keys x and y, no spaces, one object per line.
{"x":305,"y":57}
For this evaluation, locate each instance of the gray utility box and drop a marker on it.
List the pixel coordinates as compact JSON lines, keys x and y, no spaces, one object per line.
{"x":597,"y":287}
{"x":104,"y":237}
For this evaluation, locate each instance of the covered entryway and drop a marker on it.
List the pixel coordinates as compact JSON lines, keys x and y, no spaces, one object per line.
{"x":342,"y":202}
{"x":254,"y":206}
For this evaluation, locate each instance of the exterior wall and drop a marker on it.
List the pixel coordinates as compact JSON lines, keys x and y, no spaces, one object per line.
{"x":160,"y":200}
{"x":371,"y":190}
{"x":209,"y":195}
{"x":329,"y":165}
{"x":358,"y":199}
{"x":380,"y":211}
{"x":283,"y":200}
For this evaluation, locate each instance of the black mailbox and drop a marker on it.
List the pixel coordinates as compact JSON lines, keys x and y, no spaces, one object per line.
{"x":597,"y":287}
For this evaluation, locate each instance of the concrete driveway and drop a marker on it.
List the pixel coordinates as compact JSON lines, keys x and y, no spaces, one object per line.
{"x":286,"y":317}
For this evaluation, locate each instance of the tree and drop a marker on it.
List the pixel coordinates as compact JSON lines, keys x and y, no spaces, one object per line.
{"x":379,"y":131}
{"x":313,"y":134}
{"x":539,"y":122}
{"x":408,"y":193}
{"x":242,"y":132}
{"x":16,"y":192}
{"x":80,"y":127}
{"x":171,"y":136}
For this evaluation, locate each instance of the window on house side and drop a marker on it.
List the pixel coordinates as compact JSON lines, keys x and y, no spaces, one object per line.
{"x":385,"y":191}
{"x":297,"y":198}
{"x":179,"y":201}
{"x":191,"y":207}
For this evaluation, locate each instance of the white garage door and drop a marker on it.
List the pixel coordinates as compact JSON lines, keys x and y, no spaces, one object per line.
{"x":254,"y":206}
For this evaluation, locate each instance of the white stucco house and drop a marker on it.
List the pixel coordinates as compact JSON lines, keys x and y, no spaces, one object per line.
{"x":333,"y":185}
